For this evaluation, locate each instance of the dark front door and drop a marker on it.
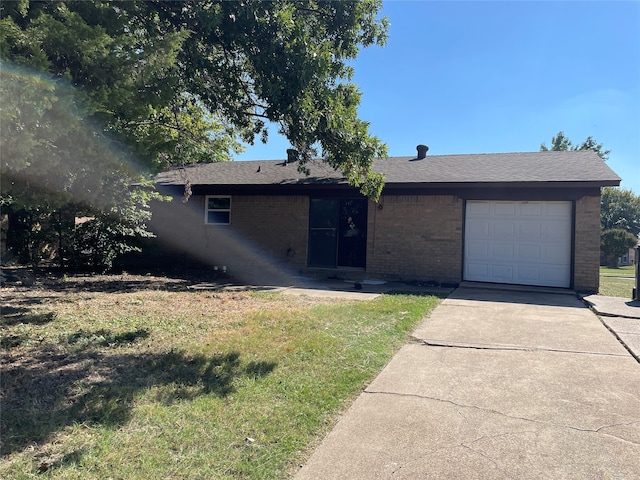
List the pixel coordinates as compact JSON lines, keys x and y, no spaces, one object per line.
{"x":337,"y":232}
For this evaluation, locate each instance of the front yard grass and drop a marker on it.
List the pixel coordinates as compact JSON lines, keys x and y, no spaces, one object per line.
{"x":617,"y":282}
{"x":624,"y":271}
{"x":151,"y":383}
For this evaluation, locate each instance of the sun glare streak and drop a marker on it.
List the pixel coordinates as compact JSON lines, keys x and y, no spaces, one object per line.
{"x":181,"y":227}
{"x":52,"y":147}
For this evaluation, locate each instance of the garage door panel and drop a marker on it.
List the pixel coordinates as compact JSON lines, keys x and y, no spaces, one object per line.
{"x":529,"y":231}
{"x":478,"y":229}
{"x":551,"y":276}
{"x":529,"y":252}
{"x":479,"y":208}
{"x":554,"y":233}
{"x":478,"y":270}
{"x":554,"y":254}
{"x":545,"y":275}
{"x":502,"y":251}
{"x":518,"y":242}
{"x":503,"y":229}
{"x":558,"y":209}
{"x":479,"y":250}
{"x":530,"y":208}
{"x":527,"y":275}
{"x":502,"y":273}
{"x":504,"y":208}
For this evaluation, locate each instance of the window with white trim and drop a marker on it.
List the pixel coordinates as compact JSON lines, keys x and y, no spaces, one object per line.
{"x":217,"y":210}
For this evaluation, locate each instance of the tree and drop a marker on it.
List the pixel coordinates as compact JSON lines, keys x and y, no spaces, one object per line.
{"x":620,"y":209}
{"x":616,"y":242}
{"x":561,"y":143}
{"x":56,"y":164}
{"x":178,"y":82}
{"x":96,"y":89}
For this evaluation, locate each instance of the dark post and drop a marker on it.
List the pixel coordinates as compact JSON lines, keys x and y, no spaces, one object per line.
{"x":636,"y":290}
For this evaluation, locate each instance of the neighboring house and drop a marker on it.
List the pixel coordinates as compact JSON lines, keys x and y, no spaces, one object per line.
{"x":629,"y":258}
{"x":516,"y":218}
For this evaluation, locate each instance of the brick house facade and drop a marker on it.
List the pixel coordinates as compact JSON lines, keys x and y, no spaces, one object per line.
{"x":265,"y":222}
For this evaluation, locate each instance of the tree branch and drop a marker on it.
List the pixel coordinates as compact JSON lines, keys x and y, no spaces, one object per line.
{"x":314,"y":12}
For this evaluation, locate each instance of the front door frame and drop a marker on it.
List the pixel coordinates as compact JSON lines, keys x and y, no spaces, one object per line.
{"x":337,"y":232}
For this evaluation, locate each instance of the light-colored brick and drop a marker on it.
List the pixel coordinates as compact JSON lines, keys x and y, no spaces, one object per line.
{"x":409,"y":237}
{"x":416,"y":237}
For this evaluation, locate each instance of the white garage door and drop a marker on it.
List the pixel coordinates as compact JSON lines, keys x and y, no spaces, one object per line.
{"x":526,"y":243}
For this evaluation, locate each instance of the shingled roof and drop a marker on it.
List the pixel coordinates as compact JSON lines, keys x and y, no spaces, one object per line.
{"x":584,"y":168}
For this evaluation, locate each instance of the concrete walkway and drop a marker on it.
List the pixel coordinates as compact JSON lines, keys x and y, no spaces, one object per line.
{"x":621,"y":316}
{"x":495,"y":384}
{"x":350,"y":290}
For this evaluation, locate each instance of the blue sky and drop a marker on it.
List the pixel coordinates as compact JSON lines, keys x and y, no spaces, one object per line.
{"x":482,"y":77}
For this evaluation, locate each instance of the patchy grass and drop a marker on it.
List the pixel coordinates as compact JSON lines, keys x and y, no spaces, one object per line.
{"x":152,"y":383}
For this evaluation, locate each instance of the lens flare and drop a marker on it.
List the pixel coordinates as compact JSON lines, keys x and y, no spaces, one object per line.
{"x":181,"y":227}
{"x":52,"y":147}
{"x":54,"y":151}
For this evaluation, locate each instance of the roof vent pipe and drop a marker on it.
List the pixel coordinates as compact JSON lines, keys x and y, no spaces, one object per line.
{"x":292,"y":155}
{"x":422,"y":151}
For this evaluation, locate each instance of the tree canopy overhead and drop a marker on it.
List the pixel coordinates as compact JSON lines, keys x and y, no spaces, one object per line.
{"x":177,"y":82}
{"x":96,"y":94}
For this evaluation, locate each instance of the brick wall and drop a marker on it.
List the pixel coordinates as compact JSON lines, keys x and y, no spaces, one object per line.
{"x":276,"y":225}
{"x":413,"y":237}
{"x":586,"y":271}
{"x":179,"y":228}
{"x":265,"y":242}
{"x":416,"y":237}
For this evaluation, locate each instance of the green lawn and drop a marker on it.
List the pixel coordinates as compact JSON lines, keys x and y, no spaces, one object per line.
{"x":626,"y":271}
{"x":617,"y":282}
{"x":181,"y":384}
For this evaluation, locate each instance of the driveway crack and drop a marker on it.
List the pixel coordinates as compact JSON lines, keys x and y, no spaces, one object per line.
{"x":507,"y":348}
{"x":514,"y":417}
{"x":600,"y":431}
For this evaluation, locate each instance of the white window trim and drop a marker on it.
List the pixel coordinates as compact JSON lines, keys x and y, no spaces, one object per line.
{"x":207,"y":209}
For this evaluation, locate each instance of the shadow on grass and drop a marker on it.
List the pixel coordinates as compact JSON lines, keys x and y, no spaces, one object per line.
{"x":55,"y":280}
{"x":11,"y":341}
{"x":12,"y":315}
{"x":105,"y":338}
{"x":45,"y":389}
{"x":174,"y":279}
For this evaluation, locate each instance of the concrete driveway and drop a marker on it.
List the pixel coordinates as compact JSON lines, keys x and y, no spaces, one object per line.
{"x":495,"y":384}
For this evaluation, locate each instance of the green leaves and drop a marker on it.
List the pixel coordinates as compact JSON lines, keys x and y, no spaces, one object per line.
{"x":591,"y":144}
{"x":616,"y":242}
{"x":95,"y":89}
{"x":173,"y":80}
{"x":561,"y":143}
{"x":285,"y":62}
{"x":620,"y":209}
